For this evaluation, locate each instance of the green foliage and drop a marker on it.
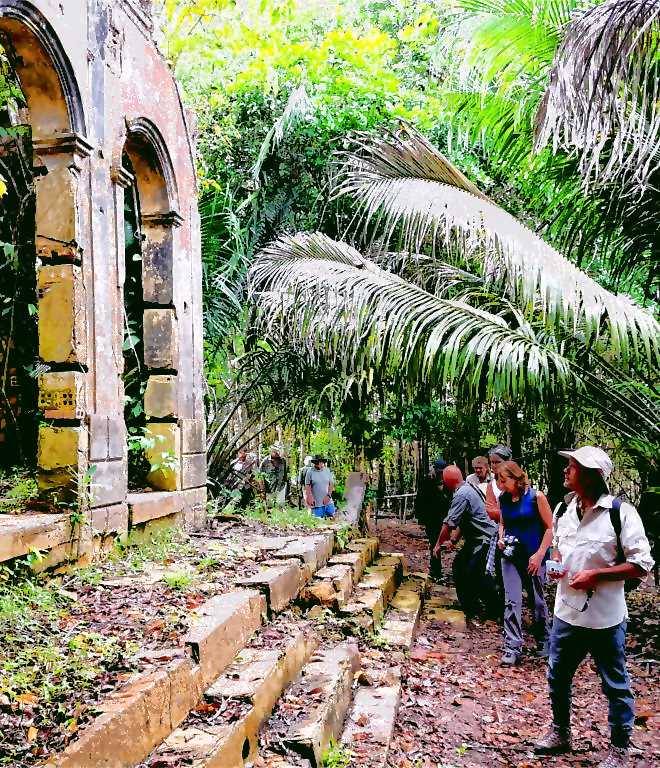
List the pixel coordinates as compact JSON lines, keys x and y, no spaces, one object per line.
{"x":16,"y":487}
{"x":140,"y":550}
{"x":181,"y":582}
{"x":336,"y":756}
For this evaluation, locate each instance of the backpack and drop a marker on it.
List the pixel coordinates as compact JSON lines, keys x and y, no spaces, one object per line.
{"x":615,"y":519}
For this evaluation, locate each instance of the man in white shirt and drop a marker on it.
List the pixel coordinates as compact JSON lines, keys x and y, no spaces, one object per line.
{"x":480,"y":478}
{"x":590,"y":607}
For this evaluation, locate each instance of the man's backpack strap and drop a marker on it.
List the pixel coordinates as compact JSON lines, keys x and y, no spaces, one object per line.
{"x":615,"y":519}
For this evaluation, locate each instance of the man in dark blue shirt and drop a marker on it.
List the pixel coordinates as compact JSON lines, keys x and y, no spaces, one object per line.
{"x":467,"y":518}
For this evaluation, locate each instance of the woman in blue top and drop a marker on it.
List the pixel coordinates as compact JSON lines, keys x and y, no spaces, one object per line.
{"x":525,"y":516}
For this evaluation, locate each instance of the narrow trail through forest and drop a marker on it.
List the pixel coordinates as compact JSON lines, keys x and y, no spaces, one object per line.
{"x":460,"y":708}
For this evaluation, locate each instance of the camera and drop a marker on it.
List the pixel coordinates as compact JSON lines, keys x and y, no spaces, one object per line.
{"x":510,"y":544}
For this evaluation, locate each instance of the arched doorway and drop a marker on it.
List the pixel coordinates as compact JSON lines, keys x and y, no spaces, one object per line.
{"x":151,"y":356}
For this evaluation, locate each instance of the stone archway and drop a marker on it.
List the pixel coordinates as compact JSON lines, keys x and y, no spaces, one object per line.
{"x":147,"y":176}
{"x":61,"y":149}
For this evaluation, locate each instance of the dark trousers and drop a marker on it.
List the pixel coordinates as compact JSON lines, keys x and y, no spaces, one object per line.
{"x":569,"y":646}
{"x":432,"y":533}
{"x":474,"y":588}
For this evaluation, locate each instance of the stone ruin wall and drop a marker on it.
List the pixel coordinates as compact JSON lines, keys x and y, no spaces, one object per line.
{"x":96,"y":88}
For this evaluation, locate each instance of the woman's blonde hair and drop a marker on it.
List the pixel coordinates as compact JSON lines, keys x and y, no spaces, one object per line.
{"x":517,"y":473}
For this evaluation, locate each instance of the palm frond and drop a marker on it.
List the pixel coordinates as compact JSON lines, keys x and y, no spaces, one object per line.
{"x":604,"y":92}
{"x":403,"y":184}
{"x":341,"y":308}
{"x":297,"y":108}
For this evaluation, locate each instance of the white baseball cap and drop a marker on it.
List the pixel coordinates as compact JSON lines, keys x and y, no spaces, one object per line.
{"x":591,"y":457}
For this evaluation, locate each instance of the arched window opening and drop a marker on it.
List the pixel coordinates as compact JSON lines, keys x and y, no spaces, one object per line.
{"x":135,"y":375}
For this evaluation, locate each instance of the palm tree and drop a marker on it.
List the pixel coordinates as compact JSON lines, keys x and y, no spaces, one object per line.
{"x":604,"y":93}
{"x":525,"y":75}
{"x":524,"y":322}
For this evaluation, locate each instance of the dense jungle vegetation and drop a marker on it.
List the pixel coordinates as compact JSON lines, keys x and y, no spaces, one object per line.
{"x":339,"y":118}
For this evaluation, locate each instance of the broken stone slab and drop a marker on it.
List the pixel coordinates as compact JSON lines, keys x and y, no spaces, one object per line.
{"x":221,"y":627}
{"x":307,"y":550}
{"x":305,"y":569}
{"x":369,"y":601}
{"x":135,"y":719}
{"x":270,"y":543}
{"x":382,"y":578}
{"x":257,"y":677}
{"x":280,"y":584}
{"x":324,"y":691}
{"x":20,"y":534}
{"x":331,"y":587}
{"x":370,"y":725}
{"x":354,"y":559}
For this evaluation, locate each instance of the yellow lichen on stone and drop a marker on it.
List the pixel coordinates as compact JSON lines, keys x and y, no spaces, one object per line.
{"x":61,"y":314}
{"x":60,"y":447}
{"x":164,"y":455}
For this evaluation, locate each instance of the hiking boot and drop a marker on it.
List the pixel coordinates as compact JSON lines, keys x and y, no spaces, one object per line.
{"x":510,"y":659}
{"x":617,"y":757}
{"x":554,"y":741}
{"x":542,"y":650}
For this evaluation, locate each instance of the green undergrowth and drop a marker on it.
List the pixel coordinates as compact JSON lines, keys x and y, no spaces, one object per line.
{"x":161,"y":546}
{"x":48,"y":669}
{"x":16,"y":487}
{"x":283,"y":516}
{"x":336,"y":756}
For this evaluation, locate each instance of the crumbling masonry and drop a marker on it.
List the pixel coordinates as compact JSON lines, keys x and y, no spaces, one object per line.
{"x":107,"y":121}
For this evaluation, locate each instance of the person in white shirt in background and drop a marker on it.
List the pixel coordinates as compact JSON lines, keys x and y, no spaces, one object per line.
{"x":590,"y":611}
{"x":480,"y":478}
{"x":496,"y":456}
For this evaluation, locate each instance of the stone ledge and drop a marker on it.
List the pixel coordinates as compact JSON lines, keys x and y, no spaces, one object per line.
{"x":325,"y":687}
{"x":20,"y":534}
{"x":143,"y":507}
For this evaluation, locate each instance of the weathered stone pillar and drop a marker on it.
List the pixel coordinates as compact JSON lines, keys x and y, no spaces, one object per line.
{"x":63,"y":326}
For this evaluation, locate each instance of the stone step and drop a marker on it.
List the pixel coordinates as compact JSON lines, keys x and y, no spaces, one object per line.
{"x":312,"y":711}
{"x":403,"y":615}
{"x":365,"y":610}
{"x":280,"y":584}
{"x":222,"y":731}
{"x":370,"y":724}
{"x":333,"y":585}
{"x":221,"y":627}
{"x":137,"y":718}
{"x":359,"y":553}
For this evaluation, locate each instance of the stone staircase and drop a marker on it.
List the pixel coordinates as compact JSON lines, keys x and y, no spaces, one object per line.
{"x":263,"y":682}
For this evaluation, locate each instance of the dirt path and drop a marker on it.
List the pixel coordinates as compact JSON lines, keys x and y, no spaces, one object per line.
{"x":460,"y":708}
